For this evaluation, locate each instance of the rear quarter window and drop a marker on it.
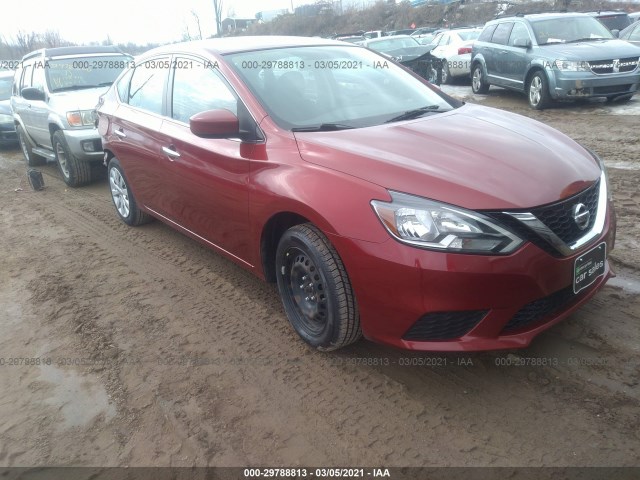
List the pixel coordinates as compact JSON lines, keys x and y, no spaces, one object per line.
{"x":501,"y":34}
{"x":487,"y":33}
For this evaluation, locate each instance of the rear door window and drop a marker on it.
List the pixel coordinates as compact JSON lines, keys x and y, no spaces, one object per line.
{"x":146,"y":90}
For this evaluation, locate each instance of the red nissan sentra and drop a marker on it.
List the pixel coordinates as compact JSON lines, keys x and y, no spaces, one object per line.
{"x":380,"y":206}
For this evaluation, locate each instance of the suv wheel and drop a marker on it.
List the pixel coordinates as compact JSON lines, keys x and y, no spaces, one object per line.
{"x":478,"y":83}
{"x":126,"y":205}
{"x":29,"y":157}
{"x":74,"y":172}
{"x":315,"y":289}
{"x":538,"y":91}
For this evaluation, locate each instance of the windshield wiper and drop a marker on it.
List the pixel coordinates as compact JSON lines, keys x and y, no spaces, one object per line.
{"x":415,"y":113}
{"x":323,"y":127}
{"x":79,"y":87}
{"x":587,"y":39}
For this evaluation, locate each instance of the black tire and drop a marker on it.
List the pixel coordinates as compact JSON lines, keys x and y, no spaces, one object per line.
{"x":446,"y":73}
{"x":30,"y":158}
{"x":122,"y":197}
{"x":315,"y":289}
{"x":75,"y":173}
{"x":538,"y":91}
{"x":620,"y":98}
{"x":478,"y":83}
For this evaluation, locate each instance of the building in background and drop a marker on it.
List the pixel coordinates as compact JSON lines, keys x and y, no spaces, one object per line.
{"x":233,"y":25}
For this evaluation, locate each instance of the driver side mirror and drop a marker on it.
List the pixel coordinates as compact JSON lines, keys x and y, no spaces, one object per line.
{"x":522,"y":43}
{"x":219,"y":123}
{"x":32,"y":93}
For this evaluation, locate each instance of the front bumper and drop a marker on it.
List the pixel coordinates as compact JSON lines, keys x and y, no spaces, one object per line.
{"x":396,"y":286}
{"x":85,"y":144}
{"x":8,"y":133}
{"x":571,"y":85}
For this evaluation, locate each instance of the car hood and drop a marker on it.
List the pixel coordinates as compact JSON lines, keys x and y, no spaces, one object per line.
{"x":77,"y":99}
{"x":474,"y":157}
{"x":596,"y":50}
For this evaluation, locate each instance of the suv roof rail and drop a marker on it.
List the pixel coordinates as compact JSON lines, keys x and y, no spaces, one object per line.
{"x":76,"y":50}
{"x":541,"y":12}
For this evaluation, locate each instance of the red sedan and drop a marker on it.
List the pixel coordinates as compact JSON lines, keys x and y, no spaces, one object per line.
{"x":380,"y":206}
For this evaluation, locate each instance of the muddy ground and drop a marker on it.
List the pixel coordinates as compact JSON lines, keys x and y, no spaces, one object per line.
{"x":140,"y":347}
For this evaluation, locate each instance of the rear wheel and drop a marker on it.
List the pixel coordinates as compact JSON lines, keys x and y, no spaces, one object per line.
{"x":75,"y":173}
{"x":315,"y":289}
{"x":538,"y":91}
{"x":478,"y":82}
{"x":124,"y":201}
{"x":32,"y":159}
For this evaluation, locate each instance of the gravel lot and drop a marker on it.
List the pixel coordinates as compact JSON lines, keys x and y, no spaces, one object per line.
{"x":140,"y":347}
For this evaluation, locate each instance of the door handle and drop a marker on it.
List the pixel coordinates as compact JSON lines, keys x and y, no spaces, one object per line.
{"x":170,"y":152}
{"x":120,"y":133}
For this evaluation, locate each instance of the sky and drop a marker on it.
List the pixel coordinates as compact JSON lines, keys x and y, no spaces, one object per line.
{"x":123,"y":21}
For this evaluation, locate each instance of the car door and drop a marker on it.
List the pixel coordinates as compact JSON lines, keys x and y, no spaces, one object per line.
{"x":20,"y":105}
{"x":39,"y":111}
{"x":209,"y":191}
{"x":517,"y":57}
{"x":498,"y":73}
{"x":136,"y":125}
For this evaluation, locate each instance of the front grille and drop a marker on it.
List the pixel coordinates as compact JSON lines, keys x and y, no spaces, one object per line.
{"x":539,"y":309}
{"x":622,"y":65}
{"x":444,"y":325}
{"x":558,"y":217}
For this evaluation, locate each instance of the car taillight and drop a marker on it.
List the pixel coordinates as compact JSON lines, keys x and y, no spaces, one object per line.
{"x":463,"y":50}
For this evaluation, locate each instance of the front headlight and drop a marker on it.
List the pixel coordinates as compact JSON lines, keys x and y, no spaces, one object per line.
{"x":5,"y":118}
{"x":429,"y":224}
{"x":570,"y":66}
{"x":81,"y":118}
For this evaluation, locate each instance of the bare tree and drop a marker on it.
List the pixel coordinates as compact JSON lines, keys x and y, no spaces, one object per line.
{"x":26,"y":42}
{"x":51,"y":39}
{"x":197,"y":19}
{"x":217,"y":8}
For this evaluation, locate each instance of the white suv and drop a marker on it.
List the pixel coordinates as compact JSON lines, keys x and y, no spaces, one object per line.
{"x":55,"y":92}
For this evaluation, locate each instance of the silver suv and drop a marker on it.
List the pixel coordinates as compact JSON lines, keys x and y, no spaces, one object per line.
{"x":54,"y":94}
{"x":554,"y":56}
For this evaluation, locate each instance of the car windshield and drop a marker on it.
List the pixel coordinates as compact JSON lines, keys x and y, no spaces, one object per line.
{"x":393,"y":44}
{"x":334,"y":87}
{"x":567,"y":30}
{"x":84,"y":72}
{"x":5,"y":87}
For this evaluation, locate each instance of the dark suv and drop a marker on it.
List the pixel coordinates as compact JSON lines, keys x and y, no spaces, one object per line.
{"x":554,"y":56}
{"x":55,"y":91}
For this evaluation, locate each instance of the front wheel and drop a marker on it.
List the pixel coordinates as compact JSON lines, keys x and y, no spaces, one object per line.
{"x":126,"y":205}
{"x":27,"y":150}
{"x":538,"y":91}
{"x":478,"y":83}
{"x":315,"y":289}
{"x":75,"y":172}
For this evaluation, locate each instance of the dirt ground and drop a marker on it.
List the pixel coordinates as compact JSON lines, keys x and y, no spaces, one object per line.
{"x":139,"y":347}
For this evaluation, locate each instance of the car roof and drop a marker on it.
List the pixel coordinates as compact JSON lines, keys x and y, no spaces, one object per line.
{"x":539,"y":16}
{"x":227,"y":45}
{"x":64,"y":51}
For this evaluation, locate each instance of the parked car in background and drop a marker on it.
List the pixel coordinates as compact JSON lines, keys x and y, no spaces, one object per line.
{"x":406,"y":31}
{"x":7,"y":128}
{"x":409,"y":52}
{"x":374,"y":34}
{"x":379,"y":205}
{"x":631,"y":33}
{"x":635,"y":16}
{"x":555,"y":56}
{"x":613,"y":20}
{"x":454,"y":47}
{"x":54,"y":95}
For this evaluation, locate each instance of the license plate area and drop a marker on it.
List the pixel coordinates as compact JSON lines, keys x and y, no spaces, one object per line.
{"x":588,"y":267}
